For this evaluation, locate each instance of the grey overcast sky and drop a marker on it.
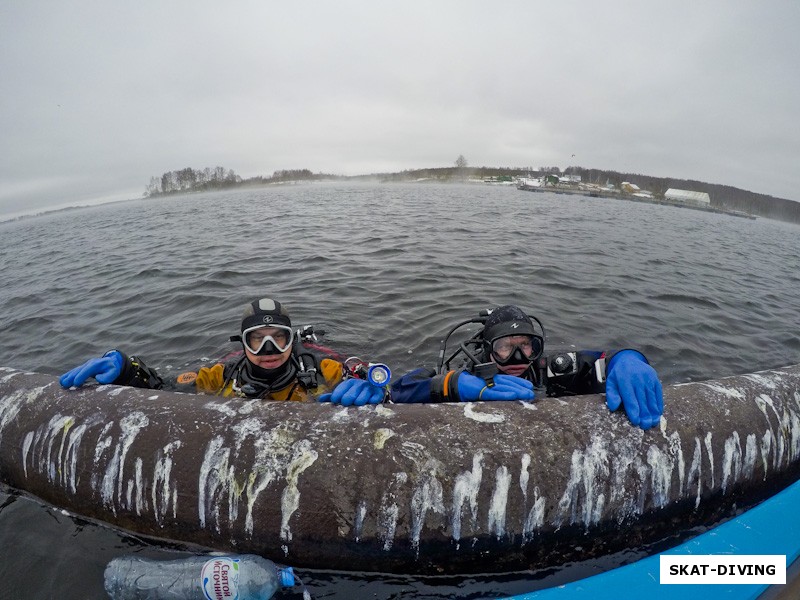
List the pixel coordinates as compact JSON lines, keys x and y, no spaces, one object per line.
{"x":99,"y":96}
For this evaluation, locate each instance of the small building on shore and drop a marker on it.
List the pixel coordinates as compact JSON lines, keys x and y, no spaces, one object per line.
{"x":687,"y":197}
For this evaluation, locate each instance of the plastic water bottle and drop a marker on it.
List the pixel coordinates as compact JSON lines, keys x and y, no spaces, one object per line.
{"x":243,"y":577}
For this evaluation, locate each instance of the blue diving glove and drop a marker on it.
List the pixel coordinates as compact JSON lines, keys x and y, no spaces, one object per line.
{"x":104,"y":370}
{"x":355,"y":392}
{"x":507,"y":387}
{"x":634,"y":384}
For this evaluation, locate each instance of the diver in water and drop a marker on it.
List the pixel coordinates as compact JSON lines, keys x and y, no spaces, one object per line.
{"x":505,"y":361}
{"x":275,"y":366}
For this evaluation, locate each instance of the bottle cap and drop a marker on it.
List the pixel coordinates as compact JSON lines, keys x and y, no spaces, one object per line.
{"x":287,"y":577}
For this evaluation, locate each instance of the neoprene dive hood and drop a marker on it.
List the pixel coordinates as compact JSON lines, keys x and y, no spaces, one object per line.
{"x":496,"y":323}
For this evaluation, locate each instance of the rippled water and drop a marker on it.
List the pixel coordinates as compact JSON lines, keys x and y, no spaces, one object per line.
{"x":384,"y":269}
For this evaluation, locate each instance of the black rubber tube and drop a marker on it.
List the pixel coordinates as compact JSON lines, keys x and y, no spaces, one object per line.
{"x":447,"y":488}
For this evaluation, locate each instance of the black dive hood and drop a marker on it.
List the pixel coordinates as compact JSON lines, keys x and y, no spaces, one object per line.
{"x":499,"y":322}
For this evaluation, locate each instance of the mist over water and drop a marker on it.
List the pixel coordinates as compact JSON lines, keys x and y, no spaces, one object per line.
{"x":385,"y":270}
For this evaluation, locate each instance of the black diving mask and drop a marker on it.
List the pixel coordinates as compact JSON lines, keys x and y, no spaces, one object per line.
{"x":516,"y":349}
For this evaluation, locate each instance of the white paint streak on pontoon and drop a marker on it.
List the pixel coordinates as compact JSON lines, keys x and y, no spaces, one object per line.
{"x":11,"y":404}
{"x":764,"y":402}
{"x":676,"y":452}
{"x":427,"y":495}
{"x":213,"y":479}
{"x":113,"y":478}
{"x":750,"y":456}
{"x":661,"y":466}
{"x":162,"y":489}
{"x":497,"y":509}
{"x":274,"y":450}
{"x":265,"y":467}
{"x":787,"y":434}
{"x":389,"y":511}
{"x":60,"y":467}
{"x":220,"y":407}
{"x":643,"y":477}
{"x":627,"y":492}
{"x":70,"y":465}
{"x":303,"y":456}
{"x":104,"y":441}
{"x":535,"y":517}
{"x":361,"y":513}
{"x":344,"y":415}
{"x":465,"y":489}
{"x":40,"y":445}
{"x":710,"y":452}
{"x":137,"y":486}
{"x":470,"y":413}
{"x":766,"y":447}
{"x":794,"y":437}
{"x":582,"y":502}
{"x":245,"y":429}
{"x":763,"y":381}
{"x":731,"y":461}
{"x":695,"y":474}
{"x":26,"y":447}
{"x":524,"y":476}
{"x":388,"y":521}
{"x":59,"y":424}
{"x":9,"y":412}
{"x":724,"y":391}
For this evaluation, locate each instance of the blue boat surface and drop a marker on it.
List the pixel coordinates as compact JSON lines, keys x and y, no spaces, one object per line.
{"x":772,"y":527}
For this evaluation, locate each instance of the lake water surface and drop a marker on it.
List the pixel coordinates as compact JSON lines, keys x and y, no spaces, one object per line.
{"x":384,"y":270}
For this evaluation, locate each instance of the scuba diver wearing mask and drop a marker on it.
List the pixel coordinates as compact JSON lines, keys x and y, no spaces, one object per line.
{"x":505,"y":361}
{"x":275,"y":365}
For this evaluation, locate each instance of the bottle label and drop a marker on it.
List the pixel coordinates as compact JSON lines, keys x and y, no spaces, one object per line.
{"x":219,"y":578}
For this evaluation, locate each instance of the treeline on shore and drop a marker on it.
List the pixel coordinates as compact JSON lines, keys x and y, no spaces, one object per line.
{"x":217,"y":178}
{"x":722,"y":196}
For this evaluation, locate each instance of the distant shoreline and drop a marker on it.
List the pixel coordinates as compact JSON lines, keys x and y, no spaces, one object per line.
{"x":632,"y":198}
{"x":431,"y":176}
{"x":724,"y":198}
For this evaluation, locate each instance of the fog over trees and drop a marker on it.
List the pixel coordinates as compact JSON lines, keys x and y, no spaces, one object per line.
{"x":188,"y":179}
